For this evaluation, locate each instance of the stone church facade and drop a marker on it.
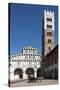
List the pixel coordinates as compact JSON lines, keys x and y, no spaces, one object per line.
{"x":25,"y":63}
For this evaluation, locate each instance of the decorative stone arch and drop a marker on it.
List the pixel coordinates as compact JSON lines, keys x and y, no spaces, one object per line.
{"x":39,"y":72}
{"x":18,"y":71}
{"x":30,"y":72}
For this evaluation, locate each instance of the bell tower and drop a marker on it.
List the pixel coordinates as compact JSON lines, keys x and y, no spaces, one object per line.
{"x":47,"y":32}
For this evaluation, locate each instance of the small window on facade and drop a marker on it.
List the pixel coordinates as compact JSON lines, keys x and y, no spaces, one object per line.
{"x":29,"y":57}
{"x":31,"y":60}
{"x":26,"y":51}
{"x":29,"y":50}
{"x":49,"y":19}
{"x":55,"y":61}
{"x":24,"y":60}
{"x":49,"y":26}
{"x":33,"y":51}
{"x":49,"y":40}
{"x":49,"y":33}
{"x":49,"y":48}
{"x":33,"y":57}
{"x":26,"y":56}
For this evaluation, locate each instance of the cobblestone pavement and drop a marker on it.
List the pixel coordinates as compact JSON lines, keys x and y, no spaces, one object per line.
{"x":38,"y":83}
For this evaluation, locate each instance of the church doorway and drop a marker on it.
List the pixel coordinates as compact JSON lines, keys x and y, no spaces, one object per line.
{"x":30,"y":72}
{"x":38,"y":72}
{"x":19,"y":72}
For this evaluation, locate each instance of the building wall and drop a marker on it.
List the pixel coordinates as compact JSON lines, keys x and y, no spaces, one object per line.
{"x":51,"y":64}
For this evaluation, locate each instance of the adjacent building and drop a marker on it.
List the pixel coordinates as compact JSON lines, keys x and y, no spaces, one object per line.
{"x":51,"y":64}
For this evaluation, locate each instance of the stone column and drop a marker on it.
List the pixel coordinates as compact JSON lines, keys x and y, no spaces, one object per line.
{"x":35,"y":73}
{"x":24,"y":75}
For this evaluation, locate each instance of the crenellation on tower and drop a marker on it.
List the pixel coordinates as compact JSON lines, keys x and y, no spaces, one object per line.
{"x":48,"y":12}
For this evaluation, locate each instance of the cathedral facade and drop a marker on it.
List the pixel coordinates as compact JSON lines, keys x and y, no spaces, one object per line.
{"x":26,"y":63}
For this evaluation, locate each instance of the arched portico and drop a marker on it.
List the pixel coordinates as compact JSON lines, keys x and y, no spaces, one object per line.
{"x":39,"y":72}
{"x":19,"y":72}
{"x":30,"y":72}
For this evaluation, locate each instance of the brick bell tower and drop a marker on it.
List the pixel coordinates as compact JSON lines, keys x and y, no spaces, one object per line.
{"x":47,"y":32}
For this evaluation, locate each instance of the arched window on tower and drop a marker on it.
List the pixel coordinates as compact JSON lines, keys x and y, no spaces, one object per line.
{"x":49,"y":40}
{"x":49,"y":48}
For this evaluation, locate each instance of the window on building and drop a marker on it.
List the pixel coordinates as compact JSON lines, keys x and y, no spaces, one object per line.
{"x":35,"y":60}
{"x":49,"y":33}
{"x":55,"y":61}
{"x":49,"y":48}
{"x":33,"y":57}
{"x":33,"y":50}
{"x":49,"y":40}
{"x":12,"y":60}
{"x":29,"y":50}
{"x":26,"y":50}
{"x":26,"y":56}
{"x":29,"y":57}
{"x":49,"y":26}
{"x":49,"y":19}
{"x":31,"y":60}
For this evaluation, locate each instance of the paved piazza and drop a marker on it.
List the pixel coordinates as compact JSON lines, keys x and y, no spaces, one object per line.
{"x":25,"y":83}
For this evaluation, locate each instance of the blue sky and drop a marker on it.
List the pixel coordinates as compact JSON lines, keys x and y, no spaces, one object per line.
{"x":26,"y":26}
